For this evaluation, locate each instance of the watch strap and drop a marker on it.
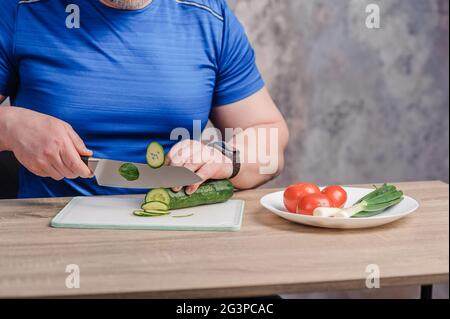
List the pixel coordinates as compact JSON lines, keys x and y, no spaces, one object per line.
{"x":229,"y":152}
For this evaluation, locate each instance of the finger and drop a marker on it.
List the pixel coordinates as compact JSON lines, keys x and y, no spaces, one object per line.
{"x":192,"y":163}
{"x":53,"y":158}
{"x":31,"y":167}
{"x":177,"y":189}
{"x":51,"y":163}
{"x":73,"y":162}
{"x":79,"y":144}
{"x":35,"y":167}
{"x":82,"y":150}
{"x":186,"y":152}
{"x":206,"y":172}
{"x":46,"y":169}
{"x":55,"y":173}
{"x":192,"y":167}
{"x":181,"y":156}
{"x":61,"y":167}
{"x":38,"y":172}
{"x":174,"y":150}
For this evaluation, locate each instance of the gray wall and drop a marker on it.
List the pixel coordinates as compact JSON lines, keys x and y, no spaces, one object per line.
{"x":362,"y":105}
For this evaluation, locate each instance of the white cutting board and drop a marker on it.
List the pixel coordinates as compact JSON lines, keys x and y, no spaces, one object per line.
{"x":117,"y":213}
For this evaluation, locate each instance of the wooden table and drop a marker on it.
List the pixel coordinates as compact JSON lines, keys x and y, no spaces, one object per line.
{"x":268,"y":256}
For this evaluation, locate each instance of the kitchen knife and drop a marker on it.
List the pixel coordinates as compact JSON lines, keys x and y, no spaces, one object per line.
{"x":107,"y":174}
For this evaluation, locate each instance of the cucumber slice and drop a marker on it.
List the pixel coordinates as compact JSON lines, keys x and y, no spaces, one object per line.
{"x":158,"y":195}
{"x":155,"y":155}
{"x":157,"y":212}
{"x":141,"y":213}
{"x":129,"y":171}
{"x":152,"y":206}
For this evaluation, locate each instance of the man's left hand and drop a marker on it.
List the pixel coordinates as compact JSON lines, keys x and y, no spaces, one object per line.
{"x":207,"y":162}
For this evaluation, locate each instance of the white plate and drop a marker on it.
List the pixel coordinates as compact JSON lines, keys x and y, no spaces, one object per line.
{"x":274,"y":203}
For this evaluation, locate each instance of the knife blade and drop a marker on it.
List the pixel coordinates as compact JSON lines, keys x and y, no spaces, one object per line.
{"x":107,"y":174}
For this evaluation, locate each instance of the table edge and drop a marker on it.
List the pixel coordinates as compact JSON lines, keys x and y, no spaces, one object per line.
{"x":254,"y":291}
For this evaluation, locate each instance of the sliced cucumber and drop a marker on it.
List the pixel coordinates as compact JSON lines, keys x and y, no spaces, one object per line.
{"x":152,"y":206}
{"x":155,"y":155}
{"x":158,"y":195}
{"x":129,"y":171}
{"x":141,"y":213}
{"x":157,"y":212}
{"x":138,"y":212}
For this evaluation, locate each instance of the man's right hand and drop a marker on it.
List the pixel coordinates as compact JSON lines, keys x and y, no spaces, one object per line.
{"x":46,"y":146}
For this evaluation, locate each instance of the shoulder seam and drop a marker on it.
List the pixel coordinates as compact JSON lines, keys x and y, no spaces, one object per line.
{"x":198,"y":5}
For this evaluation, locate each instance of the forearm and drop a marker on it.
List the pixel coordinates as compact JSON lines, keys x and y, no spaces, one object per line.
{"x":262,"y":151}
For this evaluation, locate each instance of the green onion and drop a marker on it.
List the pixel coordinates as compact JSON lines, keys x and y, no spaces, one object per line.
{"x":376,"y":202}
{"x":378,"y":191}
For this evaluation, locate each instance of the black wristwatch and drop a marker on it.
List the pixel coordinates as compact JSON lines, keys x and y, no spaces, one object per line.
{"x":230,"y":152}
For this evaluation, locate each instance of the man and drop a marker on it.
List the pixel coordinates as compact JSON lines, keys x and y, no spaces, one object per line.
{"x":106,"y":77}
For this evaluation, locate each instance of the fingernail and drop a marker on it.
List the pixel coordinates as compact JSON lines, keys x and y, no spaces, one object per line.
{"x":189,"y":191}
{"x":176,"y":189}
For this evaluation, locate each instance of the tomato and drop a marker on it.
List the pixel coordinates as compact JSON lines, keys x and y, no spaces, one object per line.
{"x":337,"y":195}
{"x":309,"y":203}
{"x":295,"y":193}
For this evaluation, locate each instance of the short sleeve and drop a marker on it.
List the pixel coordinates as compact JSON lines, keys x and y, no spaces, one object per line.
{"x":8,"y":77}
{"x":238,"y":76}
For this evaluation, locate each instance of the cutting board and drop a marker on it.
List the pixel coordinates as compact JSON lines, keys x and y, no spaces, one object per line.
{"x":117,"y":213}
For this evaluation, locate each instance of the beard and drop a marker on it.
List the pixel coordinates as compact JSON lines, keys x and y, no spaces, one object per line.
{"x":127,"y":4}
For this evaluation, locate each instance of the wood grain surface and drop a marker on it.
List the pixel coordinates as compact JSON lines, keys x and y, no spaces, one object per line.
{"x":268,"y":256}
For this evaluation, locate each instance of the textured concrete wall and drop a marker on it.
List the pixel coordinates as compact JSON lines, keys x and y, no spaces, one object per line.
{"x":362,"y":105}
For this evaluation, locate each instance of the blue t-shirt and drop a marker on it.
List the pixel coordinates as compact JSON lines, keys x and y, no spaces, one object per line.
{"x":123,"y":78}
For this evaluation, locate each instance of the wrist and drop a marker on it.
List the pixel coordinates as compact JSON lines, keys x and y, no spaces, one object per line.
{"x":231,"y":153}
{"x":6,"y":118}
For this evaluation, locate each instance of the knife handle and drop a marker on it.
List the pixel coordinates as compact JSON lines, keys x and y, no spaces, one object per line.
{"x":85,"y":160}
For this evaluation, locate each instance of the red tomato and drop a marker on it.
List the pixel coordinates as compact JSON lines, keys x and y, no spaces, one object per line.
{"x":309,"y":203}
{"x":337,"y":195}
{"x":295,"y":193}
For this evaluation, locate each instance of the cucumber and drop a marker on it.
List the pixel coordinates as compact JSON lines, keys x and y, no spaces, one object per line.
{"x":152,"y":206}
{"x":158,"y":195}
{"x":209,"y":193}
{"x":129,"y":171}
{"x":155,"y":155}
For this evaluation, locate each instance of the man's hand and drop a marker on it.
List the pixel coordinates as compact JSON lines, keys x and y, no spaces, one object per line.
{"x":46,"y":146}
{"x":206,"y":161}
